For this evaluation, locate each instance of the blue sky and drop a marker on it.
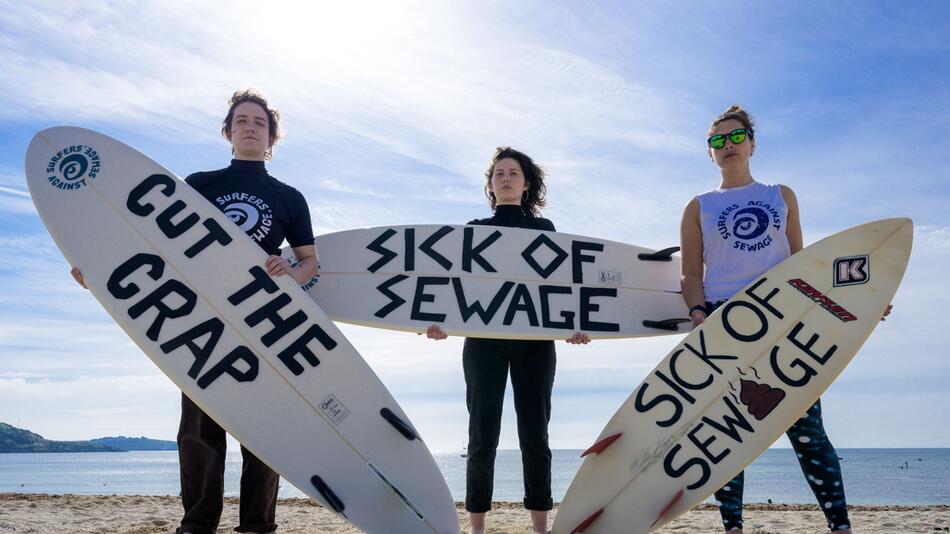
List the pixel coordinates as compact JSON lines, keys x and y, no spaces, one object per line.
{"x":391,"y":111}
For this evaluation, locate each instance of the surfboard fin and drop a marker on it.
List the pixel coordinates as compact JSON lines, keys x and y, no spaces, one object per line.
{"x":676,"y":498}
{"x":666,"y":324}
{"x":660,"y":255}
{"x":396,"y":491}
{"x":587,"y":522}
{"x":335,"y":503}
{"x":401,"y":426}
{"x":599,"y":447}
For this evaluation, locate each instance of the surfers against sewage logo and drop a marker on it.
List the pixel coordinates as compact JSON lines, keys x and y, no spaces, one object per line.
{"x":69,"y":168}
{"x":748,"y":224}
{"x":251,"y":213}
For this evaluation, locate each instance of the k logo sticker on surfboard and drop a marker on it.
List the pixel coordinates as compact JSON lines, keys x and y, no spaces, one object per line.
{"x":852,"y":271}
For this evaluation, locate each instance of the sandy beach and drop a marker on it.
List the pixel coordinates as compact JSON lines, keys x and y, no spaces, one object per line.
{"x":75,"y":514}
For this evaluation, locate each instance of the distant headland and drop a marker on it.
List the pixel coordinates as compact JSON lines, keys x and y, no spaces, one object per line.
{"x":13,"y":439}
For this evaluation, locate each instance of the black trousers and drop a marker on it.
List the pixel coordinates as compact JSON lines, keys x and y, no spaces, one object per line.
{"x":201,"y":452}
{"x":487,"y":363}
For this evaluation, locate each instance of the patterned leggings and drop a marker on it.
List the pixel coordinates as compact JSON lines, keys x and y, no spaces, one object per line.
{"x":820,"y":465}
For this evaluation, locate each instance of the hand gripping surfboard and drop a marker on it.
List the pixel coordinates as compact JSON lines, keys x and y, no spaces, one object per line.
{"x":254,"y":352}
{"x":737,"y":382}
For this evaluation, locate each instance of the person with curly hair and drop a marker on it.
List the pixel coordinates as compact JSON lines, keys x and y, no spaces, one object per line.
{"x":514,"y":185}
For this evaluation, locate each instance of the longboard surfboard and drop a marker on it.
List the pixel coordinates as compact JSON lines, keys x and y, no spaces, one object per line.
{"x":737,"y":382}
{"x":489,"y":281}
{"x":254,"y":352}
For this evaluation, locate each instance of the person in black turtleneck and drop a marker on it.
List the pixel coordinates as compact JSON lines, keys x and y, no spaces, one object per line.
{"x":515,"y":190}
{"x":269,"y":211}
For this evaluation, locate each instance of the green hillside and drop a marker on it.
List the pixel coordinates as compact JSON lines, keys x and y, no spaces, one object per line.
{"x":13,"y":439}
{"x":136,"y":444}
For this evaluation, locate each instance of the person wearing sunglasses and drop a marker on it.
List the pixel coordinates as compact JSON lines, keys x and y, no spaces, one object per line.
{"x":729,"y":236}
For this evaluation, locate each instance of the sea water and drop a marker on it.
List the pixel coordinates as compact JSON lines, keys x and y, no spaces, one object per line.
{"x":872,"y":476}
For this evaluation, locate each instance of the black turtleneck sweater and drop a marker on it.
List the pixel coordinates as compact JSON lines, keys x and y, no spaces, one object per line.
{"x":267,"y":209}
{"x":515,"y":217}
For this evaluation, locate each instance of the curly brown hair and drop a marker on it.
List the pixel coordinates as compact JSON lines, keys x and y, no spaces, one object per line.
{"x":273,"y":117}
{"x":534,"y":199}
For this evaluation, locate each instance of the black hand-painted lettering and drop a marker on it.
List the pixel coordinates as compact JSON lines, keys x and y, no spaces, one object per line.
{"x":521,"y":301}
{"x":172,"y":229}
{"x":807,"y":372}
{"x":676,"y":387}
{"x":227,"y":365}
{"x":301,"y":347}
{"x":729,"y":424}
{"x":376,"y":246}
{"x":216,"y":234}
{"x":213,"y":328}
{"x":578,"y":258}
{"x":703,"y":446}
{"x":731,"y":330}
{"x":588,"y":307}
{"x":677,"y":472}
{"x":811,"y":342}
{"x":704,"y":355}
{"x":545,"y":293}
{"x":426,"y":247}
{"x":260,"y":280}
{"x":156,"y":266}
{"x":156,"y":299}
{"x":395,"y":301}
{"x":409,"y":249}
{"x":271,"y":313}
{"x":421,"y":296}
{"x":559,"y":255}
{"x":659,"y":399}
{"x":680,"y":380}
{"x":466,"y":310}
{"x":470,"y":253}
{"x":133,"y":203}
{"x":764,"y":301}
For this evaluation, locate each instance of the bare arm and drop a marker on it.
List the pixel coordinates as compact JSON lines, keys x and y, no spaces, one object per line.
{"x":306,"y":263}
{"x":793,"y":225}
{"x":692,"y":270}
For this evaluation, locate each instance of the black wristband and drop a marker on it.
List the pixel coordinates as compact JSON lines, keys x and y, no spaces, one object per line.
{"x":700,"y":307}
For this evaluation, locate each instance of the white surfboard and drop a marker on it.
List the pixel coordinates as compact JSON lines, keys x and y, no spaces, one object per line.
{"x":490,"y":281}
{"x":737,"y":383}
{"x":254,"y":352}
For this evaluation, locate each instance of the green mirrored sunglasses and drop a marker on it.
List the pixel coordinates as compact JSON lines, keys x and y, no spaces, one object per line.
{"x":737,"y":136}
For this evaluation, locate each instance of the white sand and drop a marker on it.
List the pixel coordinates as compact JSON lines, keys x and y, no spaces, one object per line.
{"x":80,"y":514}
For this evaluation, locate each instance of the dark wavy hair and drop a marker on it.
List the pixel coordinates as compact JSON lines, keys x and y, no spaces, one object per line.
{"x":735,"y":112}
{"x":273,"y":117}
{"x":533,"y":173}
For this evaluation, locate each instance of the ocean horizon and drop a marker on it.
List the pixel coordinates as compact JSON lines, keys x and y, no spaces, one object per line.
{"x":872,"y":476}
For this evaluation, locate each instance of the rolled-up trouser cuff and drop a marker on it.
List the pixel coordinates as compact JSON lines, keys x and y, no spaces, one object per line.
{"x":473,"y":507}
{"x":540,"y":504}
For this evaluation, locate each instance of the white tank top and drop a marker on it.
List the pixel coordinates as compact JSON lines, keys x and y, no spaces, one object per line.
{"x":743,"y":236}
